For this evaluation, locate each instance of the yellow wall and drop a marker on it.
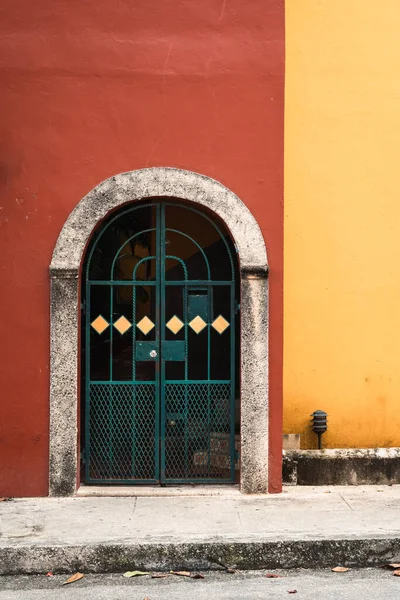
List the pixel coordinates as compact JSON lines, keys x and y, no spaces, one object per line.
{"x":342,"y":220}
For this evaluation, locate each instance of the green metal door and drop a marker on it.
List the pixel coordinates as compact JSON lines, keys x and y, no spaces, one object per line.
{"x":160,"y":314}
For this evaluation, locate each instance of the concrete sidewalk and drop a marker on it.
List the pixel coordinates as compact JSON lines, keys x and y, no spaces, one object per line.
{"x":302,"y":527}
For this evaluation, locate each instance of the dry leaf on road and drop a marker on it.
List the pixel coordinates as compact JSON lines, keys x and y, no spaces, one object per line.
{"x":135,"y":573}
{"x":49,"y":574}
{"x":74,"y":578}
{"x":159,"y":575}
{"x":272,"y":575}
{"x":396,"y":573}
{"x":292,"y":591}
{"x":339,"y":569}
{"x":229,"y":570}
{"x":391,"y":566}
{"x":182,"y":573}
{"x":197,"y":576}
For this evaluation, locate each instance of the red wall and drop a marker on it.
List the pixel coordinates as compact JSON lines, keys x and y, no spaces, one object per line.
{"x":93,"y":88}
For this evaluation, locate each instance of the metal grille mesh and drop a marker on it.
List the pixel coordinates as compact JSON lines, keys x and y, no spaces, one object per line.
{"x":122,"y":432}
{"x":197,"y":431}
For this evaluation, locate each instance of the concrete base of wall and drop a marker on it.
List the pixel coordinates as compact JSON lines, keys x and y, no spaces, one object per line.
{"x":350,"y":466}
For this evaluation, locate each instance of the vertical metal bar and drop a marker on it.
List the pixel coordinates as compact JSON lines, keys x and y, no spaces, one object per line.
{"x":210,"y":294}
{"x":210,"y":311}
{"x":87,"y":382}
{"x":161,"y":305}
{"x":133,"y":387}
{"x":110,"y":392}
{"x":157,"y":396}
{"x":233,"y":379}
{"x":133,"y":333}
{"x":186,"y":425}
{"x":185,"y":389}
{"x":111,"y":330}
{"x":185,"y":320}
{"x":186,"y":368}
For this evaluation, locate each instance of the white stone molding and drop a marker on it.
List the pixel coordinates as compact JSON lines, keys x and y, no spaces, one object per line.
{"x":64,"y":315}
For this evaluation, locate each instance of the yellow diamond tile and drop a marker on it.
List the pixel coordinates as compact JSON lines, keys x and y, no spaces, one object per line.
{"x":145,"y":325}
{"x":122,"y":325}
{"x":197,"y":324}
{"x":174,"y":324}
{"x":220,"y":324}
{"x":99,"y":324}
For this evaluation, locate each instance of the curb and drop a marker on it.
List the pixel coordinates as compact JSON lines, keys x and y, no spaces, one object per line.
{"x":107,"y":558}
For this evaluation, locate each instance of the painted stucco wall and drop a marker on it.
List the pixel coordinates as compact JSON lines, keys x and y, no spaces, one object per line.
{"x":90,"y":89}
{"x":342,"y":221}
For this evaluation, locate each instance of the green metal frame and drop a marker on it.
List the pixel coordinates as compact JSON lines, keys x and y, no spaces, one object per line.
{"x":111,"y":398}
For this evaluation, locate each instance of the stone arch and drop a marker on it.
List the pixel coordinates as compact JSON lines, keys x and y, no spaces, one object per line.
{"x":64,"y":315}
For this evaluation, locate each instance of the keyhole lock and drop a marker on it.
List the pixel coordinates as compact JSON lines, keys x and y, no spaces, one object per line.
{"x":153,"y":353}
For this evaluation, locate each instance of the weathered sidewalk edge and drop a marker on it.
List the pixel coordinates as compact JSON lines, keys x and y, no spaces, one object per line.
{"x":105,"y":558}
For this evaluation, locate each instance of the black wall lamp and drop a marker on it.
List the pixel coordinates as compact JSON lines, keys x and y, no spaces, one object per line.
{"x":319,"y":424}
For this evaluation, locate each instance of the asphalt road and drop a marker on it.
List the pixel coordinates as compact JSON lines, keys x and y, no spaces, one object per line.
{"x":365,"y":584}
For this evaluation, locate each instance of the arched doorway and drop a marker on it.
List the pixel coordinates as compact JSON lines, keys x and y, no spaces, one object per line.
{"x":125,"y":190}
{"x":160,"y":314}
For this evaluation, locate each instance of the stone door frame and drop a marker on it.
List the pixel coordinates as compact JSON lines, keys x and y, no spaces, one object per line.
{"x":65,"y":314}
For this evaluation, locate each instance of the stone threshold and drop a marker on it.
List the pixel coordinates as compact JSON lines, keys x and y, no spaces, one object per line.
{"x":93,"y":491}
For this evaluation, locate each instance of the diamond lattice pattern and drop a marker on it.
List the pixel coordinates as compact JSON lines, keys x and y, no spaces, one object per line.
{"x":197,"y":324}
{"x":175,"y":324}
{"x":99,"y":324}
{"x":122,"y":432}
{"x":220,"y":324}
{"x":145,"y":325}
{"x":122,"y":325}
{"x":199,"y":444}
